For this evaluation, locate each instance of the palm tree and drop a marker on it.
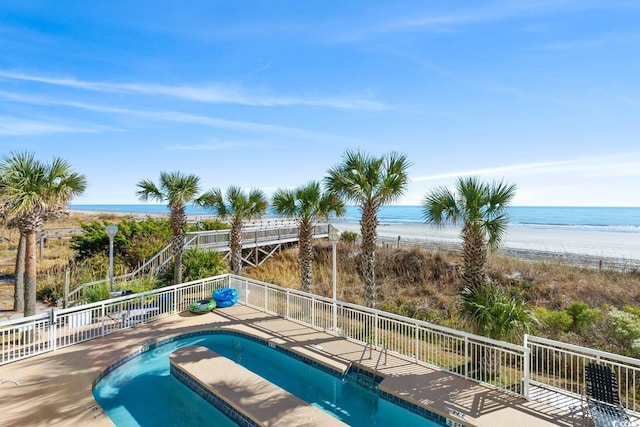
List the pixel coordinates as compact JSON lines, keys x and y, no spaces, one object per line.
{"x":482,"y":210}
{"x":237,"y":206}
{"x":33,"y":191}
{"x":18,"y":272}
{"x":369,"y":182}
{"x":308,"y":204}
{"x":492,"y":313}
{"x":18,"y":275}
{"x":177,"y":190}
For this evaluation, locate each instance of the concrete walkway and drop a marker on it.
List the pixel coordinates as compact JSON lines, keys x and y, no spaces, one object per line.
{"x":55,"y":388}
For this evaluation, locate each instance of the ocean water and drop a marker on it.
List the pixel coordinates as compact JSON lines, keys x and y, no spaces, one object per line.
{"x":612,"y":219}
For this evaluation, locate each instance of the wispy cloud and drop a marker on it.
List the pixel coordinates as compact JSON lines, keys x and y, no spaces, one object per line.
{"x":15,"y":127}
{"x":627,"y":164}
{"x":446,"y":20}
{"x":171,"y":116}
{"x":209,"y":93}
{"x":603,"y":40}
{"x":214,"y":145}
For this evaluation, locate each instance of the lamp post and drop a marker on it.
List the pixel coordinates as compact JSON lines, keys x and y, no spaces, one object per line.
{"x":111,"y":230}
{"x":334,"y":236}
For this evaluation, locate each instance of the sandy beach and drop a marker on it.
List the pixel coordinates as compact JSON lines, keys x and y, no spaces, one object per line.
{"x":624,"y":246}
{"x":580,"y":247}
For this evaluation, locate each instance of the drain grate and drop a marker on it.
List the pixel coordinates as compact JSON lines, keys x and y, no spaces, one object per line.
{"x":95,"y":410}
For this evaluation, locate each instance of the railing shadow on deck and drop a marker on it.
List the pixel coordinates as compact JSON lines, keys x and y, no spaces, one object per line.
{"x":537,"y":369}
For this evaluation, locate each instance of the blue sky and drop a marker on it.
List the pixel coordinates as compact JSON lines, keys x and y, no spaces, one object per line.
{"x":541,"y":93}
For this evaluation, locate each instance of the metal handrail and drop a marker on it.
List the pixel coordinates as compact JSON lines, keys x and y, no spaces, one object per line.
{"x":368,"y":345}
{"x":63,"y":327}
{"x":160,"y":259}
{"x":375,"y":370}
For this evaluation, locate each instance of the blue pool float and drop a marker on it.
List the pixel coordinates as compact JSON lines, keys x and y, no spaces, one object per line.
{"x":225,"y":297}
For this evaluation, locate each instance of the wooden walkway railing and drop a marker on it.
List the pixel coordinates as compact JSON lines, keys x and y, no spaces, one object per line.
{"x":264,"y":240}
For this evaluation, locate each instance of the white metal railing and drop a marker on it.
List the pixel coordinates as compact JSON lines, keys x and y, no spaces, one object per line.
{"x":512,"y":368}
{"x":471,"y":356}
{"x":29,"y":336}
{"x":560,"y":366}
{"x":268,"y":232}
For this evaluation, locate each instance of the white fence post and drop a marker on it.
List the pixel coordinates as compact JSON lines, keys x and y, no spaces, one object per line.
{"x":266,"y":298}
{"x":466,"y":356}
{"x":526,"y":368}
{"x":53,"y":333}
{"x":287,"y":304}
{"x":102,"y":316}
{"x":174,"y":301}
{"x":375,"y":330}
{"x":417,"y":343}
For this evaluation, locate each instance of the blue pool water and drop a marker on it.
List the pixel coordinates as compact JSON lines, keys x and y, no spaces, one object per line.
{"x":142,"y":391}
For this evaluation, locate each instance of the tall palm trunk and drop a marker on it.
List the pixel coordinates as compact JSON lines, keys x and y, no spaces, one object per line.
{"x":18,"y":294}
{"x":489,"y":363}
{"x":177,"y":220}
{"x":30,"y":273}
{"x":368,"y":230}
{"x":306,"y":254}
{"x":474,"y":254}
{"x":177,"y":247}
{"x":235,"y":245}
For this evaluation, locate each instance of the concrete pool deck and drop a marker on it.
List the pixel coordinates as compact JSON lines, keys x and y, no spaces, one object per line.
{"x":55,"y":388}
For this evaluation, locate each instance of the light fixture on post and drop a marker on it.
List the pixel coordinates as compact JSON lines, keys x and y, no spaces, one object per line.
{"x":111,"y":230}
{"x":334,"y":237}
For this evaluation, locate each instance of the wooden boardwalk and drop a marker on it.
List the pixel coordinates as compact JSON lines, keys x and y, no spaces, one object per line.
{"x":260,"y":241}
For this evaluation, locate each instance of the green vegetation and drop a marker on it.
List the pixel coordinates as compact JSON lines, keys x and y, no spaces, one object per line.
{"x":31,"y":192}
{"x":425,"y":285}
{"x":626,"y":328}
{"x":370,"y":182}
{"x":308,"y":204}
{"x":491,"y":312}
{"x":488,"y":294}
{"x":482,"y":210}
{"x":237,"y":206}
{"x":581,"y":315}
{"x":199,"y":264}
{"x":208,"y":225}
{"x":177,"y":190}
{"x":349,"y":236}
{"x":558,"y":320}
{"x":135,"y":242}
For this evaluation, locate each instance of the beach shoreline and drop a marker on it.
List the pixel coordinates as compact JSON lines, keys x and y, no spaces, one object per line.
{"x":578,"y":247}
{"x":572,"y":246}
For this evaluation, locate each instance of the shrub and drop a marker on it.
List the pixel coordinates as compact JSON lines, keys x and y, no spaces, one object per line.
{"x":197,"y":263}
{"x":48,"y":294}
{"x":554,"y":319}
{"x":582,"y":315}
{"x":135,"y":242}
{"x":208,"y":225}
{"x":96,"y":293}
{"x":349,"y":236}
{"x":627,"y":328}
{"x":493,"y":313}
{"x":141,"y":285}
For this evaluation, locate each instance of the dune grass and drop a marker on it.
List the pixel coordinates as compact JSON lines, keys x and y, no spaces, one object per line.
{"x":575,"y":303}
{"x":595,"y":308}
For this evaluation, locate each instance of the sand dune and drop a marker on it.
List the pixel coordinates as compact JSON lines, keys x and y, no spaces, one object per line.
{"x":593,"y":243}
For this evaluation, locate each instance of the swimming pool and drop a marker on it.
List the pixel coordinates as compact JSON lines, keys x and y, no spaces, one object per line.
{"x":142,"y":392}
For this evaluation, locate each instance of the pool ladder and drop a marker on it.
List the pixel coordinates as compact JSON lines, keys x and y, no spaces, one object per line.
{"x":363,"y":377}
